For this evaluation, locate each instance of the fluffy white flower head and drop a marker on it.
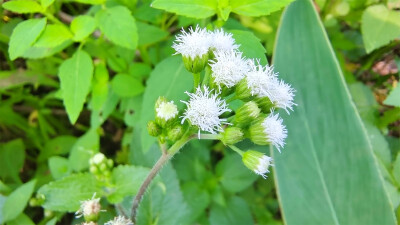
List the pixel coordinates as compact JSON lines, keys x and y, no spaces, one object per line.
{"x":119,"y":220}
{"x":228,"y":68}
{"x":263,"y":164}
{"x":193,"y":43}
{"x":222,"y":41}
{"x":274,"y":130}
{"x":167,"y":110}
{"x":203,"y":110}
{"x":282,"y":94}
{"x":89,"y":207}
{"x":259,"y":78}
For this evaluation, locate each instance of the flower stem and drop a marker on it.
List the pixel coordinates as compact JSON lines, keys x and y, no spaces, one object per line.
{"x":164,"y":158}
{"x":209,"y":136}
{"x":196,"y":80}
{"x":236,"y":149}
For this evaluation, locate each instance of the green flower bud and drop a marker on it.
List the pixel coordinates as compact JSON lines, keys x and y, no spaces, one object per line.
{"x":166,"y":113}
{"x":195,"y":65}
{"x":247,"y":113}
{"x":175,"y":133}
{"x":257,"y":162}
{"x":97,"y":159}
{"x":110,"y":163}
{"x":265,"y":104}
{"x":103,"y":167}
{"x":93,"y":169}
{"x":153,"y":129}
{"x":160,"y":100}
{"x":232,"y":135}
{"x":242,"y":90}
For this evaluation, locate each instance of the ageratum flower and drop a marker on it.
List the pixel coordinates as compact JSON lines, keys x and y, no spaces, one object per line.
{"x":203,"y":110}
{"x":167,"y":110}
{"x":89,"y":209}
{"x":119,"y":220}
{"x":257,"y":162}
{"x":192,"y":44}
{"x":222,"y":41}
{"x":228,"y":68}
{"x":259,"y":78}
{"x":281,"y":95}
{"x":269,"y":130}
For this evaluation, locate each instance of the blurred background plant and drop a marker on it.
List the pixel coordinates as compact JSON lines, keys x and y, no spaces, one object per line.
{"x":79,"y":77}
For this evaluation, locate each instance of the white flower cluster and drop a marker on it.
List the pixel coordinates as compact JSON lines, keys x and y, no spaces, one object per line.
{"x":119,"y":220}
{"x":89,"y":207}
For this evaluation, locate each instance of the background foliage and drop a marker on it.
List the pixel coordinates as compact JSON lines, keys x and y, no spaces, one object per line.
{"x":81,"y":76}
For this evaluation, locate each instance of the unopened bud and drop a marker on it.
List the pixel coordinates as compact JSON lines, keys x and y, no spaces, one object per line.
{"x":153,"y":129}
{"x":195,"y":65}
{"x":265,"y":104}
{"x":232,"y":135}
{"x":175,"y":133}
{"x":257,"y":162}
{"x":242,"y":90}
{"x":247,"y":113}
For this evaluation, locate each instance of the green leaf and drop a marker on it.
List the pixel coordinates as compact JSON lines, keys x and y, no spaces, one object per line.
{"x":99,"y":116}
{"x":149,"y":34}
{"x":23,"y":6}
{"x":75,"y":78}
{"x":91,"y":2}
{"x":82,"y":27}
{"x":327,"y":166}
{"x":46,"y":3}
{"x":379,"y":26}
{"x":126,"y":86}
{"x":99,"y":86}
{"x":66,"y":194}
{"x":236,"y":212}
{"x":133,"y":111}
{"x":21,"y":219}
{"x":250,"y":45}
{"x":257,"y":7}
{"x":198,"y":199}
{"x":17,"y":201}
{"x":169,"y":79}
{"x":191,"y":8}
{"x":12,"y":157}
{"x":36,"y":52}
{"x":119,"y":26}
{"x":53,"y":35}
{"x":84,"y":148}
{"x":234,"y":176}
{"x":164,"y":204}
{"x":24,"y":35}
{"x":396,"y":168}
{"x":126,"y":182}
{"x":59,"y":145}
{"x":59,"y":167}
{"x":2,"y":201}
{"x":394,"y":97}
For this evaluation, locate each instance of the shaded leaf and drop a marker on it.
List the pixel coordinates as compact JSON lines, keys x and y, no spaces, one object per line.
{"x":191,"y":8}
{"x":257,"y":7}
{"x":17,"y":201}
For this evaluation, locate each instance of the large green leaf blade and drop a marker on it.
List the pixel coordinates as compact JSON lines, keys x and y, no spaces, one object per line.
{"x":191,"y":8}
{"x":257,"y":7}
{"x":327,"y":173}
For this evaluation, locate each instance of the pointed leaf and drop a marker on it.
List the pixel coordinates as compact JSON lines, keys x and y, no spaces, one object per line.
{"x":326,"y":174}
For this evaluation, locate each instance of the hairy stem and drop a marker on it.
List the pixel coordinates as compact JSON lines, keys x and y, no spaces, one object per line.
{"x":165,"y":157}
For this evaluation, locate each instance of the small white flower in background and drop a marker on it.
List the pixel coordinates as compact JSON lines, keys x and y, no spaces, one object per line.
{"x":89,"y":208}
{"x":167,"y":110}
{"x":203,"y":110}
{"x":89,"y":223}
{"x":275,"y":131}
{"x":257,"y":162}
{"x":228,"y":68}
{"x":192,"y":44}
{"x":97,"y":159}
{"x":259,"y":79}
{"x":281,"y":95}
{"x":222,"y":41}
{"x":119,"y":220}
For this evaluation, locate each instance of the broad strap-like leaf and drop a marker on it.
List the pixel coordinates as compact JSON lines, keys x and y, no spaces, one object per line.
{"x":327,"y":173}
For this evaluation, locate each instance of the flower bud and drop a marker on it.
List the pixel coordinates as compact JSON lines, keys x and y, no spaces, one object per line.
{"x":175,"y":133}
{"x":269,"y":130}
{"x":160,"y":100}
{"x":265,"y":104}
{"x":247,"y":113}
{"x":153,"y":129}
{"x":119,"y":220}
{"x":89,"y":209}
{"x":232,"y":135}
{"x":97,"y":159}
{"x":257,"y":162}
{"x":165,"y":113}
{"x":242,"y":91}
{"x":195,"y":65}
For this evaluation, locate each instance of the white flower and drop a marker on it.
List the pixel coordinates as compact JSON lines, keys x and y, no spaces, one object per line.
{"x":260,"y":78}
{"x":281,"y":94}
{"x":228,"y":68}
{"x":119,"y":220}
{"x":167,"y":110}
{"x":203,"y":110}
{"x":89,"y":207}
{"x":263,"y":164}
{"x":222,"y":41}
{"x":274,"y":130}
{"x":97,"y":159}
{"x":193,"y":43}
{"x":257,"y":162}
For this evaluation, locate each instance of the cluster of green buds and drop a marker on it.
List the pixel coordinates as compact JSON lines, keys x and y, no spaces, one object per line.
{"x":100,"y":166}
{"x":222,"y":75}
{"x":166,"y":125}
